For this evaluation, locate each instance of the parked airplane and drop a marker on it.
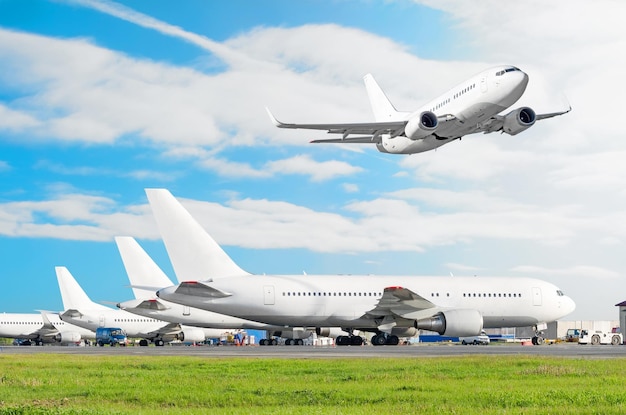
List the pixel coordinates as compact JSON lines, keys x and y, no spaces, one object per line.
{"x":192,"y":250}
{"x":389,"y":306}
{"x":471,"y":107}
{"x":145,"y":273}
{"x":81,"y":311}
{"x":41,"y":328}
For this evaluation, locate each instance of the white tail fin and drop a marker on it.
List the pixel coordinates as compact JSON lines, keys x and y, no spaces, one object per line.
{"x":72,"y":294}
{"x":194,"y":254}
{"x":142,"y":271}
{"x":381,"y":106}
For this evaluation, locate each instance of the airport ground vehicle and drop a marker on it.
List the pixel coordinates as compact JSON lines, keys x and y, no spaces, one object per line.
{"x":600,"y":337}
{"x":482,"y":338}
{"x":572,"y":335}
{"x":111,"y":336}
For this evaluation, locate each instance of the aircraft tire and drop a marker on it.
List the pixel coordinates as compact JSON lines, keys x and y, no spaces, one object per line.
{"x":379,"y":340}
{"x":392,"y":340}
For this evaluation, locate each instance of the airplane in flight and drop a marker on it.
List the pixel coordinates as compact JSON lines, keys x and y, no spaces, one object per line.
{"x":472,"y":106}
{"x":190,"y":248}
{"x":40,"y":328}
{"x":82,"y":312}
{"x":389,"y":306}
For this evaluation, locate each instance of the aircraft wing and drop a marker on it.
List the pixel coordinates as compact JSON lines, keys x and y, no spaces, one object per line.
{"x":496,"y":123}
{"x":47,"y":330}
{"x":169,"y":330}
{"x":399,"y":303}
{"x":373,"y":130}
{"x":552,"y":114}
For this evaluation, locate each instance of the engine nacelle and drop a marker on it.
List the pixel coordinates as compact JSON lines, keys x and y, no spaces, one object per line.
{"x":333,"y":332}
{"x":455,"y":323}
{"x":421,"y":126}
{"x":404,"y":331}
{"x":293,"y":333}
{"x":519,"y":120}
{"x":66,"y":337}
{"x":192,"y":336}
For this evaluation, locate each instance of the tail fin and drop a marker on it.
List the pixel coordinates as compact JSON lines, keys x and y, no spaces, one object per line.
{"x":381,"y":106}
{"x":193,"y":252}
{"x":142,"y":271}
{"x":72,"y":294}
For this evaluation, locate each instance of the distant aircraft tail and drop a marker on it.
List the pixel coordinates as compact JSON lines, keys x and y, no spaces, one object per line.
{"x":194,"y":254}
{"x":381,"y":106}
{"x":72,"y":294}
{"x":144,"y":274}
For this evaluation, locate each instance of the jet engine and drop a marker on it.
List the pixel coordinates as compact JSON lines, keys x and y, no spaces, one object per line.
{"x":518,"y":120}
{"x":66,"y":337}
{"x":454,"y":323}
{"x":404,"y":331}
{"x":191,"y":335}
{"x":421,"y":126}
{"x":333,"y":332}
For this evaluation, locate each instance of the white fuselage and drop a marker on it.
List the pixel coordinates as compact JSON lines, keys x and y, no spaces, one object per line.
{"x":24,"y":325}
{"x":343,"y":301}
{"x":472,"y":102}
{"x":191,"y":316}
{"x":133,"y":325}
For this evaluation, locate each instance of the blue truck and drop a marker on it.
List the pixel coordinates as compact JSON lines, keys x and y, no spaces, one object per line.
{"x":111,"y":336}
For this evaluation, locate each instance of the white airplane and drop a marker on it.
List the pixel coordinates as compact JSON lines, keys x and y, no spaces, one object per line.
{"x":192,"y":250}
{"x":41,"y":328}
{"x":471,"y":107}
{"x":82,"y":312}
{"x":144,"y":273}
{"x":389,"y":306}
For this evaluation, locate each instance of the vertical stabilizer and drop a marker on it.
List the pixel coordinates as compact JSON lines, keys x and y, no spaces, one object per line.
{"x":72,"y":294}
{"x":142,"y":271}
{"x":381,"y":106}
{"x":193,"y":252}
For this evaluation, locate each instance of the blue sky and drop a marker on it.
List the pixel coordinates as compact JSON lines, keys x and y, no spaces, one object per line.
{"x":99,"y":100}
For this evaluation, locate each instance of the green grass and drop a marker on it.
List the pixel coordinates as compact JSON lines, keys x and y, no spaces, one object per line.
{"x":78,"y":384}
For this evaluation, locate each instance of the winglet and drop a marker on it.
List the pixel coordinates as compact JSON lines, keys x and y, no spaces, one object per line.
{"x":274,"y":120}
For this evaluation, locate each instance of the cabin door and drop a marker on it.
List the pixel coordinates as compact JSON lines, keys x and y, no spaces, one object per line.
{"x":536,"y":296}
{"x":268,"y":295}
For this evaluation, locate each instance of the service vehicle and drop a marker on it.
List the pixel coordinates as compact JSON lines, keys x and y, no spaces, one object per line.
{"x":482,"y":338}
{"x":600,"y":337}
{"x":572,"y":335}
{"x":111,"y":336}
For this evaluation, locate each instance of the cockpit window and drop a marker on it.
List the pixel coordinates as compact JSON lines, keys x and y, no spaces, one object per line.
{"x":559,"y":293}
{"x":511,"y":69}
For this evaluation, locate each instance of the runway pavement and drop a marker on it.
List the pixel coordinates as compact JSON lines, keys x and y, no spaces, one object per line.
{"x":330,"y":352}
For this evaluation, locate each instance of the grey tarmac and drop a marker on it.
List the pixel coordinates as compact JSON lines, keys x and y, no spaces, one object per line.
{"x":330,"y":352}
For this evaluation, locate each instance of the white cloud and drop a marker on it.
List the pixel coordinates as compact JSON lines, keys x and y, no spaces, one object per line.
{"x":319,"y":171}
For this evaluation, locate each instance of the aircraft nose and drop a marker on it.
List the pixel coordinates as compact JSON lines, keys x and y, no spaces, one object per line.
{"x":568,"y":305}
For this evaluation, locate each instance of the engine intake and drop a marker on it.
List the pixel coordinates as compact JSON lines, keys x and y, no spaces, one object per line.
{"x":422,"y":126}
{"x":66,"y":337}
{"x":463,"y":322}
{"x":519,"y":120}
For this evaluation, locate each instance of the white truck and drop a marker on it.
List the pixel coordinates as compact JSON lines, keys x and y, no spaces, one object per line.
{"x":600,"y":337}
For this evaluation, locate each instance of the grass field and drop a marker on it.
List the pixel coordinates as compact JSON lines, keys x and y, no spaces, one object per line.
{"x":77,"y":384}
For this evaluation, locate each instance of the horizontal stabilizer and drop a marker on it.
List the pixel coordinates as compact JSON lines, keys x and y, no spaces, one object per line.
{"x":199,"y":289}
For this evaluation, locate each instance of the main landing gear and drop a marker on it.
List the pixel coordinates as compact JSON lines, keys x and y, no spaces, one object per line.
{"x":382,"y":339}
{"x":349,"y":340}
{"x":379,"y":339}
